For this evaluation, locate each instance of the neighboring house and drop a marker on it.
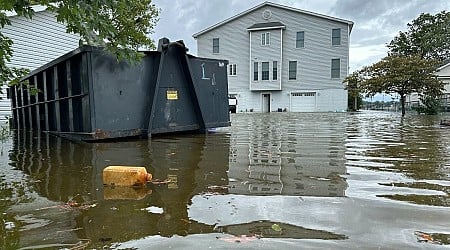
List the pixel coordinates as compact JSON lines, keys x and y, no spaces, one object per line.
{"x":443,"y":74}
{"x":282,"y":58}
{"x":37,"y":41}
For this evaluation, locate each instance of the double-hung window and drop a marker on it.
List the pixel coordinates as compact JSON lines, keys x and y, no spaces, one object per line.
{"x":265,"y":71}
{"x":274,"y":70}
{"x":336,"y":37}
{"x":215,"y":45}
{"x":232,"y":69}
{"x":300,"y":40}
{"x":335,"y":68}
{"x":292,"y":70}
{"x":265,"y":38}
{"x":255,"y":71}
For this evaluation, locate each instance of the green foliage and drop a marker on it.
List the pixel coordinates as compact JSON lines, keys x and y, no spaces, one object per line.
{"x":429,"y":106}
{"x":121,"y":26}
{"x":352,"y":83}
{"x":354,"y":102}
{"x":402,"y":75}
{"x":428,"y":36}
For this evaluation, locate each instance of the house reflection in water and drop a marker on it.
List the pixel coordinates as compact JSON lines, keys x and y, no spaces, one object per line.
{"x":288,"y":161}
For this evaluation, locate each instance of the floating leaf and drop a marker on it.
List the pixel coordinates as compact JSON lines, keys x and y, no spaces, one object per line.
{"x":276,"y":227}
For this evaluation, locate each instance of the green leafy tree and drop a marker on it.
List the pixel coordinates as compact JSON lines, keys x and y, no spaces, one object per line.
{"x":427,"y":36}
{"x":120,"y":26}
{"x":401,"y":75}
{"x":352,"y":83}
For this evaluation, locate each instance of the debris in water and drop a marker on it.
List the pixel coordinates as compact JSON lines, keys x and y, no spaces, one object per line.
{"x":433,"y":238}
{"x":240,"y":239}
{"x":9,"y":225}
{"x":71,"y":205}
{"x":153,"y":210}
{"x":159,"y":182}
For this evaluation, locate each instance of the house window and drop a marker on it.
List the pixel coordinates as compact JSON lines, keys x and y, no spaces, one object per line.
{"x":335,"y":68}
{"x":215,"y":45}
{"x":292,"y":70}
{"x":265,"y":71}
{"x":255,"y":71}
{"x":336,"y":37}
{"x":300,"y":41}
{"x":265,"y":38}
{"x":274,"y":70}
{"x":232,"y":69}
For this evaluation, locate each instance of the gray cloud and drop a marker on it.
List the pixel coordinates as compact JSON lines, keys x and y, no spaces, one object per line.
{"x":376,"y":21}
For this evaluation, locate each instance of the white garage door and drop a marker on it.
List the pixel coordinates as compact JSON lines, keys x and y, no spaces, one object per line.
{"x":303,"y":101}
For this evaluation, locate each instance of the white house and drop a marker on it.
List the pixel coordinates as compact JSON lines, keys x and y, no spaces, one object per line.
{"x":443,"y":74}
{"x":282,"y":58}
{"x":37,"y":41}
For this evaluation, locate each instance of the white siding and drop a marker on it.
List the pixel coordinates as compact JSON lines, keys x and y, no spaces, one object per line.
{"x":36,"y":42}
{"x":444,"y":75}
{"x":313,"y":61}
{"x":234,"y":48}
{"x":39,"y":40}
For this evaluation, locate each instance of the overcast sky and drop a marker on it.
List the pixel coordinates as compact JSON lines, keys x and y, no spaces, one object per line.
{"x":376,"y":22}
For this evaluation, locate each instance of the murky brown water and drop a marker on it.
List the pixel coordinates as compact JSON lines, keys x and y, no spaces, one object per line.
{"x":280,"y":180}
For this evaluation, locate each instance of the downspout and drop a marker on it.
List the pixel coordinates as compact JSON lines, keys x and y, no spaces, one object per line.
{"x":281,"y":56}
{"x":250,"y":63}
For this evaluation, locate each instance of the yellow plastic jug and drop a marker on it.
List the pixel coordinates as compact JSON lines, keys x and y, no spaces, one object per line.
{"x":125,"y":176}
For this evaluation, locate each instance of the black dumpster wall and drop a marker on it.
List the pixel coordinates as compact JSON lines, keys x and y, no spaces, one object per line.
{"x":88,"y":95}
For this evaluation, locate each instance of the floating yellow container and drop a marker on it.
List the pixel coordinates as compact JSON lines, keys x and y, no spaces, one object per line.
{"x":125,"y":176}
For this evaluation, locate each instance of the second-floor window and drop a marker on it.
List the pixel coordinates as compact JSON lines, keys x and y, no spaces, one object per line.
{"x":274,"y":70}
{"x":336,"y":37}
{"x":300,"y":40}
{"x":292,"y":70}
{"x":335,"y":68}
{"x":232,"y":69}
{"x":215,"y":45}
{"x":265,"y":71}
{"x":255,"y":71}
{"x":265,"y":38}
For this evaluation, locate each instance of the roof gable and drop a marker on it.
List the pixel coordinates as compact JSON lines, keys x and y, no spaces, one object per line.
{"x":443,"y":67}
{"x":265,"y":4}
{"x":443,"y":71}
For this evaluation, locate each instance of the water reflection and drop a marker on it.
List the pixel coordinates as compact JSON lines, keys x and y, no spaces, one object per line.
{"x":288,"y":154}
{"x":64,"y":172}
{"x":332,"y":176}
{"x":71,"y":200}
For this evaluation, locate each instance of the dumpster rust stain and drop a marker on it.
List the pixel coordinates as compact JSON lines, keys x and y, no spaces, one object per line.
{"x":349,"y":178}
{"x":101,"y":134}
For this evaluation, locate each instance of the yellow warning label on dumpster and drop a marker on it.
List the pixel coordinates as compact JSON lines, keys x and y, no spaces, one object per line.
{"x":172,"y":95}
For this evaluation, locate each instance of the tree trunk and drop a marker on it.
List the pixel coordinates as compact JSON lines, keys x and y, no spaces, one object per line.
{"x":402,"y":103}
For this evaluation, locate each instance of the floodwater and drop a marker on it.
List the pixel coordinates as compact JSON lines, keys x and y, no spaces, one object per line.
{"x":368,"y":180}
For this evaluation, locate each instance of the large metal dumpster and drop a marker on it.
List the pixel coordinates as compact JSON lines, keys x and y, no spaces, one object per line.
{"x":88,"y":95}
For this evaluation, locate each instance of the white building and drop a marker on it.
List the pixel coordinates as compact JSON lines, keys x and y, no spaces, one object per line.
{"x":443,"y":74}
{"x":37,"y":41}
{"x":282,"y":58}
